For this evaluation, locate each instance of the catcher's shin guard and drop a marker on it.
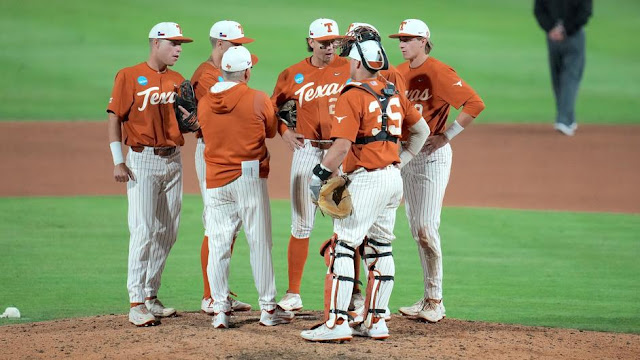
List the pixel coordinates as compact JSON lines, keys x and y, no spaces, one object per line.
{"x":338,"y":282}
{"x":381,"y":270}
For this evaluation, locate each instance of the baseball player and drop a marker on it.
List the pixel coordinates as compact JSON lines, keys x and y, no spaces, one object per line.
{"x":367,"y":126}
{"x":222,"y":35}
{"x":433,"y":87}
{"x":314,"y":83}
{"x":236,"y":180}
{"x":141,"y":112}
{"x":359,"y":31}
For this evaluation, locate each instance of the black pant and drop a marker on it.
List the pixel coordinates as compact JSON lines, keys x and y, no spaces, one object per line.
{"x":566,"y":60}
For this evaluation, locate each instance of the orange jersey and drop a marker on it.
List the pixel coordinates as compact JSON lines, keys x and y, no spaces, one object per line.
{"x":394,"y":76}
{"x":315,"y":91}
{"x":143,"y":99}
{"x":235,"y":123}
{"x":433,"y":87}
{"x":358,"y":115}
{"x":205,"y":76}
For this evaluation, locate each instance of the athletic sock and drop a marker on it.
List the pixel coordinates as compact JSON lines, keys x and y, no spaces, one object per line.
{"x":204,"y":261}
{"x":296,"y":258}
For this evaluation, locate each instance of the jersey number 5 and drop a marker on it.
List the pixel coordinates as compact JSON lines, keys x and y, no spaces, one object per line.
{"x":395,"y":117}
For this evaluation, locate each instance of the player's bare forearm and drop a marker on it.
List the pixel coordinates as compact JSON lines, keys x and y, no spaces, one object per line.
{"x":114,"y":128}
{"x":464,"y":119}
{"x":336,"y":154}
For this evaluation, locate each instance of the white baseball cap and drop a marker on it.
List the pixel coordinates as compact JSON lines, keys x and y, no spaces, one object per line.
{"x":229,"y":30}
{"x":357,"y":25}
{"x":324,"y":29}
{"x":169,"y":31}
{"x":237,"y":58}
{"x":371,"y":51}
{"x":413,"y":28}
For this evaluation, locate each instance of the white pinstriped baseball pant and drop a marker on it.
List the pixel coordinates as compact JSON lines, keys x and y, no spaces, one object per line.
{"x":155,"y":200}
{"x":425,"y":181}
{"x":243,"y":202}
{"x":375,"y":196}
{"x":303,"y":210}
{"x":201,"y":172}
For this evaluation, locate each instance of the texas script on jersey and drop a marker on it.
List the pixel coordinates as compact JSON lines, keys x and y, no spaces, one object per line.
{"x":308,"y":93}
{"x":156,"y":97}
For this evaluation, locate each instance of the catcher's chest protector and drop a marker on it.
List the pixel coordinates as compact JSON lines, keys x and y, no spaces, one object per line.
{"x":383,"y":100}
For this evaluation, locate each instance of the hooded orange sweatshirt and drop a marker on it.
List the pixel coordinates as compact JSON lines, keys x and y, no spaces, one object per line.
{"x":235,"y":121}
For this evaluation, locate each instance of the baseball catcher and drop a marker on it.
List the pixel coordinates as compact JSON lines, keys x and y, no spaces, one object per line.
{"x":186,"y":99}
{"x":333,"y":197}
{"x":288,"y":113}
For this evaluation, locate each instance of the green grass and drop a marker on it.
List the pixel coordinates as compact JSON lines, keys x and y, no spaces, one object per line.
{"x":60,"y":58}
{"x":66,"y":257}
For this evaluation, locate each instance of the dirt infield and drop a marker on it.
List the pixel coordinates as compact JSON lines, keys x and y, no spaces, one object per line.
{"x":510,"y":166}
{"x":190,"y":336}
{"x":524,"y":167}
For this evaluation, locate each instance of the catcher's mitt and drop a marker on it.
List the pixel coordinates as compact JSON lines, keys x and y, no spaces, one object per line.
{"x":334,"y":198}
{"x":186,"y":98}
{"x":288,"y":113}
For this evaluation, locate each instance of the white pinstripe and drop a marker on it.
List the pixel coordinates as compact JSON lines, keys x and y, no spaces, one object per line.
{"x":201,"y":167}
{"x":243,"y":202}
{"x":425,"y":181}
{"x":201,"y":172}
{"x":303,"y":210}
{"x":155,"y":200}
{"x":376,"y":196}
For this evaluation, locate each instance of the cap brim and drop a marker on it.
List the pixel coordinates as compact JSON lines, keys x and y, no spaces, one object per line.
{"x":254,"y":60}
{"x":242,"y":40}
{"x":395,"y":36}
{"x":329,"y":37}
{"x":180,"y":38}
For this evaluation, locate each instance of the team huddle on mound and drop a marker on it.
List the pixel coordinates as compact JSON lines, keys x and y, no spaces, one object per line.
{"x":364,"y":135}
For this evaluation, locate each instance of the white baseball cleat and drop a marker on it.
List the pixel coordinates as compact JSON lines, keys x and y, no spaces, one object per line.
{"x":275,"y":317}
{"x":433,"y":311}
{"x":157,"y":309}
{"x":340,"y":332}
{"x":291,"y":302}
{"x":414,"y":309}
{"x":207,"y":306}
{"x":236,"y":305}
{"x":140,"y":316}
{"x":221,"y":320}
{"x":378,"y":331}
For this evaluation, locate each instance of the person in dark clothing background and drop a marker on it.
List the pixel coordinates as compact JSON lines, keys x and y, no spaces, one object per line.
{"x":564,"y":21}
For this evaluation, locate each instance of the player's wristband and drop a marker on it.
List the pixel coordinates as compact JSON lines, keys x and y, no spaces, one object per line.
{"x":453,"y":130}
{"x":116,"y":152}
{"x":322,"y":172}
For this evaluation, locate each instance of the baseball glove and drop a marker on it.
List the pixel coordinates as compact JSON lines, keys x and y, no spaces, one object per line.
{"x":288,"y":113}
{"x":334,"y":198}
{"x":186,"y":98}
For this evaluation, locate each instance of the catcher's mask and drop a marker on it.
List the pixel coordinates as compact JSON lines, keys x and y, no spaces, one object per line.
{"x":355,"y":38}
